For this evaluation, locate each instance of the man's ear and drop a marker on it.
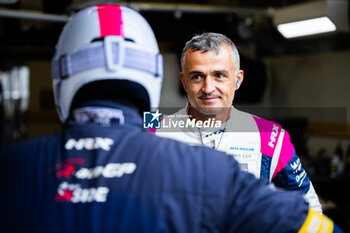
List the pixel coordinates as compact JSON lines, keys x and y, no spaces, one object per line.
{"x":182,"y":78}
{"x":239,"y":78}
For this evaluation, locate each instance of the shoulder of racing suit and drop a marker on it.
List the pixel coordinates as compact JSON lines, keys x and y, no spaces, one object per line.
{"x":278,"y":152}
{"x":280,"y":164}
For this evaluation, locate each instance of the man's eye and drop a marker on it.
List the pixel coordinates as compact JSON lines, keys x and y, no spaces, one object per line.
{"x":220,"y":75}
{"x":195,"y":77}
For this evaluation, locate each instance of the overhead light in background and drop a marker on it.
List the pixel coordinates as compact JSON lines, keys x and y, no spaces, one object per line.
{"x":312,"y":18}
{"x":306,"y":27}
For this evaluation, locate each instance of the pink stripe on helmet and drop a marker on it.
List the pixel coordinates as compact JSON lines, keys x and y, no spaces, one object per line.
{"x":286,"y":155}
{"x":269,"y":133}
{"x":111,"y":22}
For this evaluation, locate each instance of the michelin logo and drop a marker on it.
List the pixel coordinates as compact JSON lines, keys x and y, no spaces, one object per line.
{"x":151,"y":120}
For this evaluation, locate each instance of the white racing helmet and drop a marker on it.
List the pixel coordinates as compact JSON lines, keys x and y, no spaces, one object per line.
{"x":105,"y":42}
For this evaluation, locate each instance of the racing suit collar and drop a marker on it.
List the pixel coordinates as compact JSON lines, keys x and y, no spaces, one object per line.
{"x":207,"y":131}
{"x":208,"y":134}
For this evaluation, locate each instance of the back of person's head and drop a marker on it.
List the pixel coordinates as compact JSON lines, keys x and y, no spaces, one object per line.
{"x":209,"y":41}
{"x":106,"y":52}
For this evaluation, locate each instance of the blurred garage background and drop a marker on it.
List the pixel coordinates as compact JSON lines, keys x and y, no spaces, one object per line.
{"x":301,"y":82}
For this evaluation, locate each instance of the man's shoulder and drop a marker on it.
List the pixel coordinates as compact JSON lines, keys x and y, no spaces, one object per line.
{"x":248,"y":122}
{"x":270,"y":133}
{"x":264,"y":125}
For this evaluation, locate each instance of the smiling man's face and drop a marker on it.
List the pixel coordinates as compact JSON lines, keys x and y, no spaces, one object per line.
{"x":210,"y":82}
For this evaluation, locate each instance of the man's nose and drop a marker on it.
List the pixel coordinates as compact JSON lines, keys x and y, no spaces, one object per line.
{"x":208,"y":85}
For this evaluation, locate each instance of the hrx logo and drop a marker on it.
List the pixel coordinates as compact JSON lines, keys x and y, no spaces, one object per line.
{"x":151,"y":120}
{"x":273,"y":136}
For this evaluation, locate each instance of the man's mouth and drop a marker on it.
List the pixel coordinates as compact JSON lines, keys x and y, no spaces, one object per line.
{"x":209,"y":99}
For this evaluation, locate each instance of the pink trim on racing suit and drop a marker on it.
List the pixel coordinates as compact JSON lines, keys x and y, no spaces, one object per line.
{"x":269,"y":134}
{"x":268,"y":141}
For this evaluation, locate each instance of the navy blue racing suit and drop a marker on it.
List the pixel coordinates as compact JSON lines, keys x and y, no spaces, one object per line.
{"x":103,"y":173}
